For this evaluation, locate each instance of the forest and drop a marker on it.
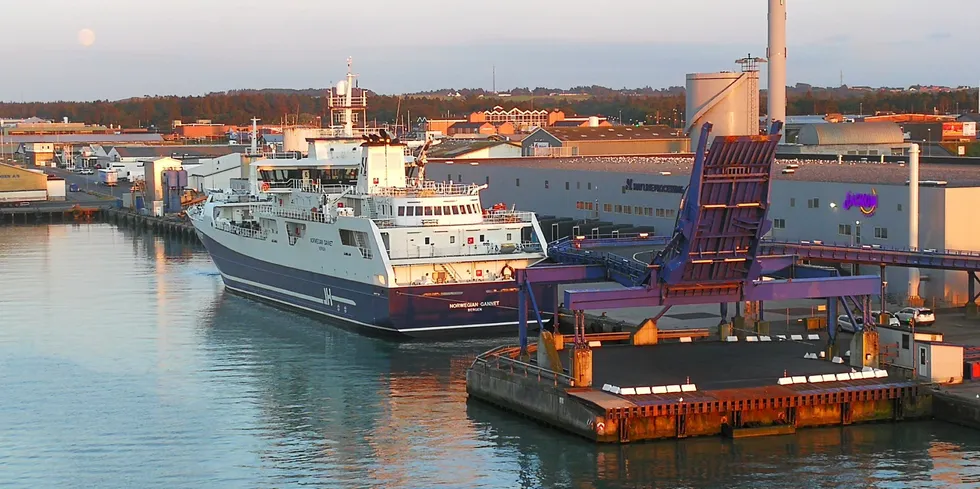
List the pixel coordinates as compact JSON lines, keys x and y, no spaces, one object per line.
{"x":305,"y":106}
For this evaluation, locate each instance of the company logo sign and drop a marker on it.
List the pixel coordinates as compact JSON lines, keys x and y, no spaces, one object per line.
{"x":867,"y":203}
{"x":652,"y":187}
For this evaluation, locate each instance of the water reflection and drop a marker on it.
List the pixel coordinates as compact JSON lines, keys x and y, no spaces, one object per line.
{"x":123,"y":363}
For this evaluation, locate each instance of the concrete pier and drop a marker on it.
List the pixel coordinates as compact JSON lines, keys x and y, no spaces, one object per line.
{"x":166,"y":226}
{"x":683,"y":387}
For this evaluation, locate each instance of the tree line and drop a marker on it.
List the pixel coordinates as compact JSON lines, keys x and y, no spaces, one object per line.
{"x":305,"y":107}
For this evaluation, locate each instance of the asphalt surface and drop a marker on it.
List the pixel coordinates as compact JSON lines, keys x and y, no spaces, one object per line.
{"x":709,"y":365}
{"x":88,"y":183}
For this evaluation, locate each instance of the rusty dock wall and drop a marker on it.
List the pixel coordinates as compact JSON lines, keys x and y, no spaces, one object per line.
{"x":603,"y":415}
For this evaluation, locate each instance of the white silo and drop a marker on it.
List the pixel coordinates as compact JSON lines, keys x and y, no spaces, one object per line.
{"x":594,"y":121}
{"x":729,"y":101}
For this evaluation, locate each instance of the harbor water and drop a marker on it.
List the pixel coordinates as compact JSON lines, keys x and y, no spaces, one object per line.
{"x":124,"y":363}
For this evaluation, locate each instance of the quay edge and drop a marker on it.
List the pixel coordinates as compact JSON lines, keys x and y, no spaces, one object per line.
{"x":499,"y":378}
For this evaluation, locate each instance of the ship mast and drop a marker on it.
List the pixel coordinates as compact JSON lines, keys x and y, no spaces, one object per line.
{"x":345,"y":107}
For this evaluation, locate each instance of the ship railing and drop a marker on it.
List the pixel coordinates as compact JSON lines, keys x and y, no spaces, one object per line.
{"x":242,"y":231}
{"x":310,"y":186}
{"x":429,"y":189}
{"x":302,"y":215}
{"x":503,"y":217}
{"x":484,"y":249}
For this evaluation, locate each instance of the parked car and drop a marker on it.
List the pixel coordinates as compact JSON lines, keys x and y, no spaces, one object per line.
{"x":844,"y":323}
{"x":892,"y":320}
{"x":73,"y":187}
{"x":923,"y":316}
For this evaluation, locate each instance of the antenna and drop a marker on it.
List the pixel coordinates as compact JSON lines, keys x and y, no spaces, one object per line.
{"x":749,"y":63}
{"x":494,"y":89}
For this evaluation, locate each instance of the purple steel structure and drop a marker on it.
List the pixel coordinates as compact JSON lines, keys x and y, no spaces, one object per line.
{"x":712,"y":257}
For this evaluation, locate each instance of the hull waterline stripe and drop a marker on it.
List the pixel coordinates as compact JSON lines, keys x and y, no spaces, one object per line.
{"x":340,"y":318}
{"x":294,"y":294}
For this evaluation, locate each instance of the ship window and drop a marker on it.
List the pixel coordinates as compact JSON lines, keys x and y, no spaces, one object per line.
{"x":445,"y":210}
{"x":455,"y":209}
{"x":508,"y":237}
{"x":566,"y":185}
{"x":438,"y":210}
{"x":590,"y":185}
{"x":481,"y":238}
{"x":427,"y":240}
{"x":518,"y":183}
{"x":474,"y":208}
{"x":452,"y":239}
{"x":411,"y":211}
{"x":418,"y":210}
{"x":546,"y":184}
{"x":428,"y":210}
{"x":401,"y":210}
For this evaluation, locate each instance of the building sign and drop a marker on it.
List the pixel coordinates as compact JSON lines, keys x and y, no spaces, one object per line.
{"x":867,"y":203}
{"x":652,"y":187}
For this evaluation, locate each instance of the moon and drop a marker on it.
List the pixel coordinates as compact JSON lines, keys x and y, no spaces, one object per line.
{"x":86,"y":37}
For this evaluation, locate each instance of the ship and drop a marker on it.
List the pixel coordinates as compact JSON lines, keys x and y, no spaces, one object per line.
{"x":354,"y":233}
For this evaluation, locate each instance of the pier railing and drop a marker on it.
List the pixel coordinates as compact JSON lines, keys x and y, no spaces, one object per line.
{"x":502,"y":357}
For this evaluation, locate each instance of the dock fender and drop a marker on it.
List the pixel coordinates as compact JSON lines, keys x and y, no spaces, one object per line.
{"x":600,"y":426}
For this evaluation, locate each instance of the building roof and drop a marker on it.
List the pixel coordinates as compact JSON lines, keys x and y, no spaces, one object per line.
{"x":808,"y":170}
{"x":468,"y":125}
{"x":851,"y":133}
{"x":618,"y":133}
{"x":178,"y":151}
{"x":974,"y":117}
{"x":455,"y":149}
{"x":85,"y":138}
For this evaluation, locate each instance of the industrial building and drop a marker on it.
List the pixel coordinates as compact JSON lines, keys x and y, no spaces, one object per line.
{"x":861,"y":138}
{"x":21,"y":185}
{"x":215,"y":173}
{"x":599,"y":141}
{"x":460,"y":150}
{"x":506,"y":122}
{"x":859,"y":203}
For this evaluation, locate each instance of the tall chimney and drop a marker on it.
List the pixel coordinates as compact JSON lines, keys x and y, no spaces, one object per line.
{"x":914,"y":214}
{"x":776,"y":53}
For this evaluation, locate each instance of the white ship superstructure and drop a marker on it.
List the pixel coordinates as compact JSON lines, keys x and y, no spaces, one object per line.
{"x":348,"y":234}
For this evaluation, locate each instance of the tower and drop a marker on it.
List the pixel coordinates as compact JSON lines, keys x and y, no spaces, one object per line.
{"x":776,"y":53}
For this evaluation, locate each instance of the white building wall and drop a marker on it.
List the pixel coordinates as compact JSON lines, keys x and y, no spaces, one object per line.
{"x":215,"y":172}
{"x":944,"y":214}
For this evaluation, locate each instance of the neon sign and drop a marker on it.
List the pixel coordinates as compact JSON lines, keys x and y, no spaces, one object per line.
{"x":867,"y":203}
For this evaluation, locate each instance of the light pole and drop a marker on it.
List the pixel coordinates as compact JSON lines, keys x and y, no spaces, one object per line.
{"x":929,"y":139}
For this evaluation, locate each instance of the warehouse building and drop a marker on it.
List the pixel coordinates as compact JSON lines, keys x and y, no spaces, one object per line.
{"x":817,"y":202}
{"x":600,"y":141}
{"x":20,"y":184}
{"x":462,"y":150}
{"x":861,"y":138}
{"x":215,"y":173}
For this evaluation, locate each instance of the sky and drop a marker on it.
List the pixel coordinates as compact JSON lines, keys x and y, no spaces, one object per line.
{"x":191,"y":47}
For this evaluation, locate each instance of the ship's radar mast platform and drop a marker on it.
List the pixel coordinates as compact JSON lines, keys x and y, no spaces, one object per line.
{"x":347,"y":103}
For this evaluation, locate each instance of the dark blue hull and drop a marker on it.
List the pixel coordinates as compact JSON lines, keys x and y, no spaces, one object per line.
{"x":453,"y":310}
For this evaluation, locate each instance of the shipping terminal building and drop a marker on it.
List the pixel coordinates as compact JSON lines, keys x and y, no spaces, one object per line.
{"x":862,"y":203}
